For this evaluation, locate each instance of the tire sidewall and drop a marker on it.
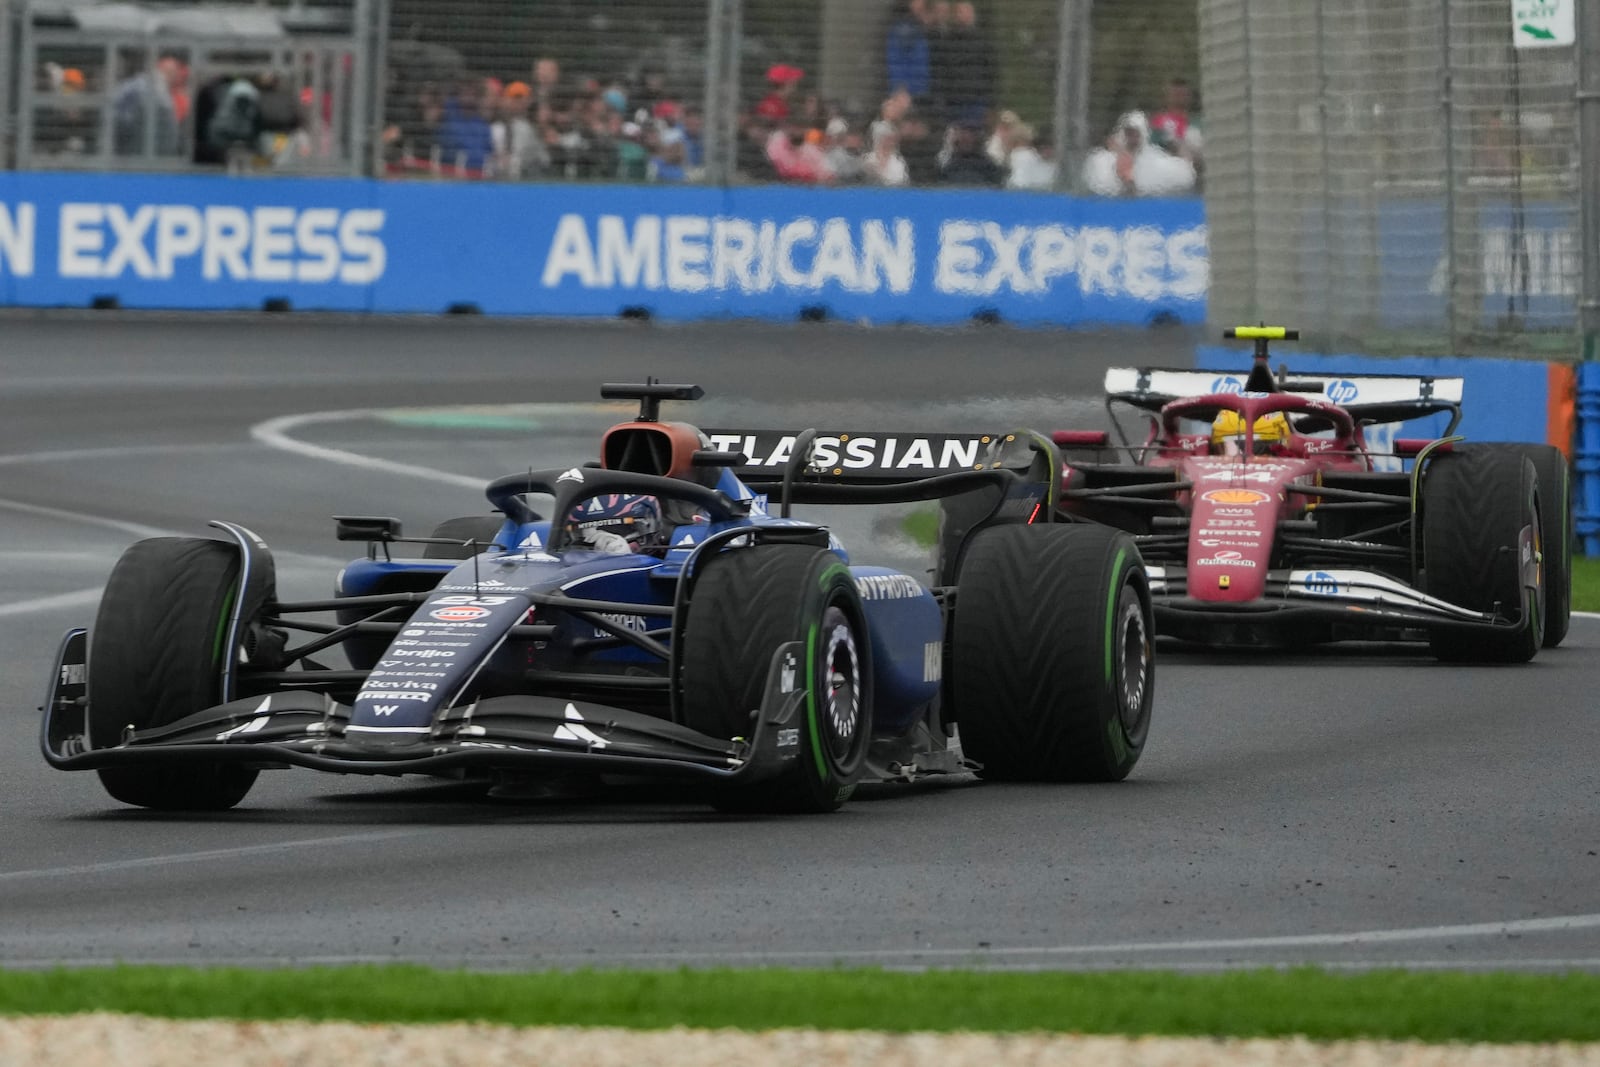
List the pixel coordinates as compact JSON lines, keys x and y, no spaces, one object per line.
{"x":833,"y":627}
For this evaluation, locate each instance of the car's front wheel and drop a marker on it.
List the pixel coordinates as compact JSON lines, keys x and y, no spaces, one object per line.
{"x":155,"y":656}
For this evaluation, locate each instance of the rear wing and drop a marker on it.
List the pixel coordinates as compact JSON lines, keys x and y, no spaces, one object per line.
{"x":1371,"y":398}
{"x":868,"y":456}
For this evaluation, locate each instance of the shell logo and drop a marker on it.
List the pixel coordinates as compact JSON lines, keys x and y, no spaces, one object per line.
{"x":463,"y":613}
{"x":1234,"y":496}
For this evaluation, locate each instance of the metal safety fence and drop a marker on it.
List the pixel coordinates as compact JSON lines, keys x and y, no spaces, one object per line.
{"x":1003,"y":93}
{"x":1395,"y":172}
{"x":1380,"y":171}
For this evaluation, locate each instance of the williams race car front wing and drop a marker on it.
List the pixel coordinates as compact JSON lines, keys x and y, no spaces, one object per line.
{"x":504,"y":733}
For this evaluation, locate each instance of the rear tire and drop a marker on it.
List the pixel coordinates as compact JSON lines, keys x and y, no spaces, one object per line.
{"x":1475,"y":504}
{"x":1052,"y":653}
{"x":745,"y":603}
{"x":155,"y":657}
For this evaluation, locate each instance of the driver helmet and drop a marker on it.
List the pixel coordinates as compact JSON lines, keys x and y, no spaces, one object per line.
{"x":617,"y":523}
{"x":1227,"y":433}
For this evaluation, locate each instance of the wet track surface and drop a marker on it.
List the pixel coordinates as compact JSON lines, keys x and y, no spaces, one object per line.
{"x":1355,"y":806}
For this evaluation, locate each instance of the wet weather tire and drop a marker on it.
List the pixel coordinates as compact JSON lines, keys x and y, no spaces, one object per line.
{"x":480,"y":528}
{"x":1476,"y":503}
{"x":1556,"y":528}
{"x":155,"y":657}
{"x":1052,"y":656}
{"x":745,"y":603}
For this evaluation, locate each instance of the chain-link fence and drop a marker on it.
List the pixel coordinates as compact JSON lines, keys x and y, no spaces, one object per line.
{"x":1011,"y":93}
{"x":1378,"y":170}
{"x":1391,"y":172}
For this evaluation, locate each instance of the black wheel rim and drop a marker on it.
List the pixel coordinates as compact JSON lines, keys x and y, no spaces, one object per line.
{"x":839,"y":685}
{"x":1133,"y":665}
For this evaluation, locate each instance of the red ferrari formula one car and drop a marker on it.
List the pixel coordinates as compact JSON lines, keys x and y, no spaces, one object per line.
{"x":1266,"y":519}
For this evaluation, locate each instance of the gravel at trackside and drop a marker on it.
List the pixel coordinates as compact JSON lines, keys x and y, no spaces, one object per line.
{"x":129,"y":1041}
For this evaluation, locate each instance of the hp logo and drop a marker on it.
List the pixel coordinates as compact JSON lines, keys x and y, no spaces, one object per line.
{"x":1342,"y":390}
{"x":1322,"y":583}
{"x":1227,"y":384}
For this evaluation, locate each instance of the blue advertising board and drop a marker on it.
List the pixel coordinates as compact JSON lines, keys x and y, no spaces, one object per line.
{"x":921,"y":256}
{"x":1520,"y":260}
{"x":1501,"y":399}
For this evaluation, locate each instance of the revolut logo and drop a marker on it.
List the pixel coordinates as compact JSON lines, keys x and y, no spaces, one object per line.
{"x":225,"y":242}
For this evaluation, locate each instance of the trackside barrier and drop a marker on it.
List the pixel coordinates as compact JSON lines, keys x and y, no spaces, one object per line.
{"x":1502,"y":400}
{"x":1586,"y":463}
{"x":678,"y":253}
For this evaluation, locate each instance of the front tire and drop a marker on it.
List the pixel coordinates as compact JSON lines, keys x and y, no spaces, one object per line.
{"x":1556,"y":529}
{"x":155,"y":656}
{"x":1053,"y":653}
{"x":1476,"y":503}
{"x":747,"y":602}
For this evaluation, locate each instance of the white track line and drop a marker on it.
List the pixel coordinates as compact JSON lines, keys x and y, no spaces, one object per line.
{"x":199,"y":857}
{"x":140,"y":530}
{"x":71,"y":454}
{"x":274,"y":433}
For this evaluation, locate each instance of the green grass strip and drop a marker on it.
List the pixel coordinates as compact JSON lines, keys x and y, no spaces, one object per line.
{"x":1585,"y":584}
{"x":922,"y":527}
{"x":1396,"y":1005}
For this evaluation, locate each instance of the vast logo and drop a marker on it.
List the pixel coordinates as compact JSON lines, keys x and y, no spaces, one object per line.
{"x":1321,"y":582}
{"x":1227,"y":384}
{"x":1342,"y":391}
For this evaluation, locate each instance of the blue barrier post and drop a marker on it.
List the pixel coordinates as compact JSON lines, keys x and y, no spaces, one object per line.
{"x":1587,"y":458}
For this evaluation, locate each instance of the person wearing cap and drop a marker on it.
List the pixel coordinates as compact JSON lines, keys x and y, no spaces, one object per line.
{"x":842,"y":149}
{"x":775,"y":106}
{"x":519,"y":151}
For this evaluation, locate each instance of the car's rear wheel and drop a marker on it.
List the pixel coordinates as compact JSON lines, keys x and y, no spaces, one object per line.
{"x":1478,"y":505}
{"x":1052,"y":656}
{"x":155,"y":656}
{"x":746,"y":603}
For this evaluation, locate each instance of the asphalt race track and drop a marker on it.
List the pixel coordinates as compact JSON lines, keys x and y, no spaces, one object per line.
{"x":1355,"y":807}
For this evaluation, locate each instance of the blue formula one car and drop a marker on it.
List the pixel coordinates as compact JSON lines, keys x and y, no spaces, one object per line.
{"x":663,"y":624}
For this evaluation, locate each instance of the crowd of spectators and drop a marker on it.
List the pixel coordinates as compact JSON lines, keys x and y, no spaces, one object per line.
{"x":547,"y":128}
{"x":941,"y":121}
{"x":242,"y":119}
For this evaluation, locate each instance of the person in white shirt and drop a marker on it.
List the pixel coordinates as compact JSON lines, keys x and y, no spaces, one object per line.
{"x":1129,"y":165}
{"x":884,"y":164}
{"x":1025,"y":167}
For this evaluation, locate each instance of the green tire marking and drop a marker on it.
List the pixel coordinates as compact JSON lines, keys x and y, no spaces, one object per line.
{"x":830,"y":571}
{"x":222,"y":625}
{"x":811,"y":703}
